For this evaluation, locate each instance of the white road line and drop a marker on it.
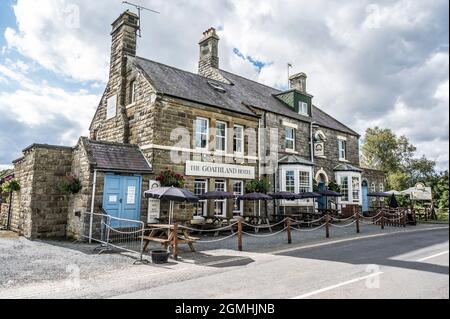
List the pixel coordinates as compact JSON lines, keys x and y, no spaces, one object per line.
{"x":433,"y":256}
{"x":316,"y":292}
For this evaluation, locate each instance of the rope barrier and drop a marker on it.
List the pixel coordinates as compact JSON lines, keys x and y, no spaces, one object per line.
{"x":343,"y":219}
{"x":265,"y":236}
{"x":309,"y":230}
{"x":362,"y":216}
{"x":303,"y":222}
{"x":264,"y":226}
{"x":215,"y":240}
{"x":209,"y":230}
{"x":343,"y":226}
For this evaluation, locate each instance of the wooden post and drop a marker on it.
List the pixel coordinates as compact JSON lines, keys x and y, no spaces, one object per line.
{"x":175,"y":241}
{"x":327,"y":225}
{"x":289,"y":231}
{"x":404,"y":218}
{"x":8,"y":222}
{"x":239,"y":234}
{"x":382,"y":219}
{"x":357,"y":221}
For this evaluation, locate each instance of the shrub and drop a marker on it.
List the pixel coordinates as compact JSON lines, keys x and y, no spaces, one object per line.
{"x":72,"y":185}
{"x":12,"y":185}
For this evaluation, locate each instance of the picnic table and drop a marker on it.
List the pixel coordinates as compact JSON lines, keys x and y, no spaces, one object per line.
{"x":164,"y":234}
{"x":258,"y":221}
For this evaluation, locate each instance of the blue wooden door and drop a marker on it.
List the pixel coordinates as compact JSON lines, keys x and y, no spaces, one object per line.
{"x":121,"y":199}
{"x":321,"y":200}
{"x":365,"y":198}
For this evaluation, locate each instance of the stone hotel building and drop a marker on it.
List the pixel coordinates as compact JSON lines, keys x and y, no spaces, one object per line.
{"x":216,"y":128}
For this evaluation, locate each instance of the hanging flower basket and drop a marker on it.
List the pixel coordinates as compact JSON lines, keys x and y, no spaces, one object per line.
{"x":169,"y":178}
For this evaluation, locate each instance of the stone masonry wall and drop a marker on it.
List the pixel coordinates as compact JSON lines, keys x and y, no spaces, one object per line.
{"x":49,"y":203}
{"x":331,"y":158}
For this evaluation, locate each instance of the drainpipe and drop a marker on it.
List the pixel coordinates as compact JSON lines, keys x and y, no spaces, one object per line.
{"x":92,"y":206}
{"x":312,"y":140}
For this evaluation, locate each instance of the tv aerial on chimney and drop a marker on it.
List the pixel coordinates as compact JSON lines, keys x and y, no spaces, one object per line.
{"x":139,"y":9}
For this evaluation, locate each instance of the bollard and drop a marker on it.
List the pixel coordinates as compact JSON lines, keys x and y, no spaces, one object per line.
{"x":327,"y":225}
{"x":175,"y":241}
{"x":239,"y":235}
{"x":289,"y":232}
{"x":357,"y":222}
{"x":382,"y":219}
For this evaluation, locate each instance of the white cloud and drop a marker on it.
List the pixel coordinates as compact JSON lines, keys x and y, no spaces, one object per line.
{"x":369,"y":62}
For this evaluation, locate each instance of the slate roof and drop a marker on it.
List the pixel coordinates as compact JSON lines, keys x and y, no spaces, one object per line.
{"x":116,"y":157}
{"x":347,"y":168}
{"x":294,"y":159}
{"x":242,"y":93}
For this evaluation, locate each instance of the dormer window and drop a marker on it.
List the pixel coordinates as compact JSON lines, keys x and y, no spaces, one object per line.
{"x":303,"y":108}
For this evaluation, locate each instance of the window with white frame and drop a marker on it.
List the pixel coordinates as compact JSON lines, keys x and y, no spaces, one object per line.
{"x":342,"y":149}
{"x":304,"y":181}
{"x":238,"y":190}
{"x":373,"y":188}
{"x":350,"y":184}
{"x":238,"y":139}
{"x":201,"y":133}
{"x":344,"y":188}
{"x":200,"y":188}
{"x":290,"y":139}
{"x":381,"y":187}
{"x":356,"y":189}
{"x":290,"y":181}
{"x":303,"y":108}
{"x":221,"y":138}
{"x":220,"y":205}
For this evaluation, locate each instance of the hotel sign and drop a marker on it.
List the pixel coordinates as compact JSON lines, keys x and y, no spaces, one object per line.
{"x":204,"y":169}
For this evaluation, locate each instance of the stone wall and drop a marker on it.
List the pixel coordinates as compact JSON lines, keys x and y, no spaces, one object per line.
{"x":331,"y":158}
{"x":40,"y":207}
{"x":375,"y":179}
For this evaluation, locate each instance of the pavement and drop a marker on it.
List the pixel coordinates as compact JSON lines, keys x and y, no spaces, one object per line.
{"x":396,"y":263}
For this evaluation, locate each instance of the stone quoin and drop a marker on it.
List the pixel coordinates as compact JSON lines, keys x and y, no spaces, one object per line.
{"x":218,"y":129}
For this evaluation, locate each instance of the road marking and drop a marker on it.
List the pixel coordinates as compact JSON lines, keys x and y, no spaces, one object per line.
{"x":339,"y":241}
{"x":316,"y":292}
{"x":433,"y":256}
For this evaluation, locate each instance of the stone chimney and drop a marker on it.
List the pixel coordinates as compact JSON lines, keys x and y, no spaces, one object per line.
{"x":298,"y":82}
{"x":124,"y":41}
{"x":209,"y":56}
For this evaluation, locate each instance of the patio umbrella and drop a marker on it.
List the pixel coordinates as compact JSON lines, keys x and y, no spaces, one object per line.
{"x":256,"y":197}
{"x":172,"y":194}
{"x":393,"y":202}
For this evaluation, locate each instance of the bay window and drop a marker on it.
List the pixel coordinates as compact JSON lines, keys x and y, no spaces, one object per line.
{"x":304,"y":182}
{"x":201,"y":133}
{"x":356,"y":189}
{"x":350,"y":185}
{"x":290,"y":182}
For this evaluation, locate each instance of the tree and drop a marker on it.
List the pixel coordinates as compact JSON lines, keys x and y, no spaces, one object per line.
{"x":385,"y":151}
{"x":440,"y":186}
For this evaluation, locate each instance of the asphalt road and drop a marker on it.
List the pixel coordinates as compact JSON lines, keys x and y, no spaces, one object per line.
{"x":396,"y":265}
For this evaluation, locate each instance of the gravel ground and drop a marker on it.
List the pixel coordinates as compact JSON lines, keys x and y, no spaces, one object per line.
{"x":23,"y":261}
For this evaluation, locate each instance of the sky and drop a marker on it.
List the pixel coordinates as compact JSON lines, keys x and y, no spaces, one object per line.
{"x":369,"y":63}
